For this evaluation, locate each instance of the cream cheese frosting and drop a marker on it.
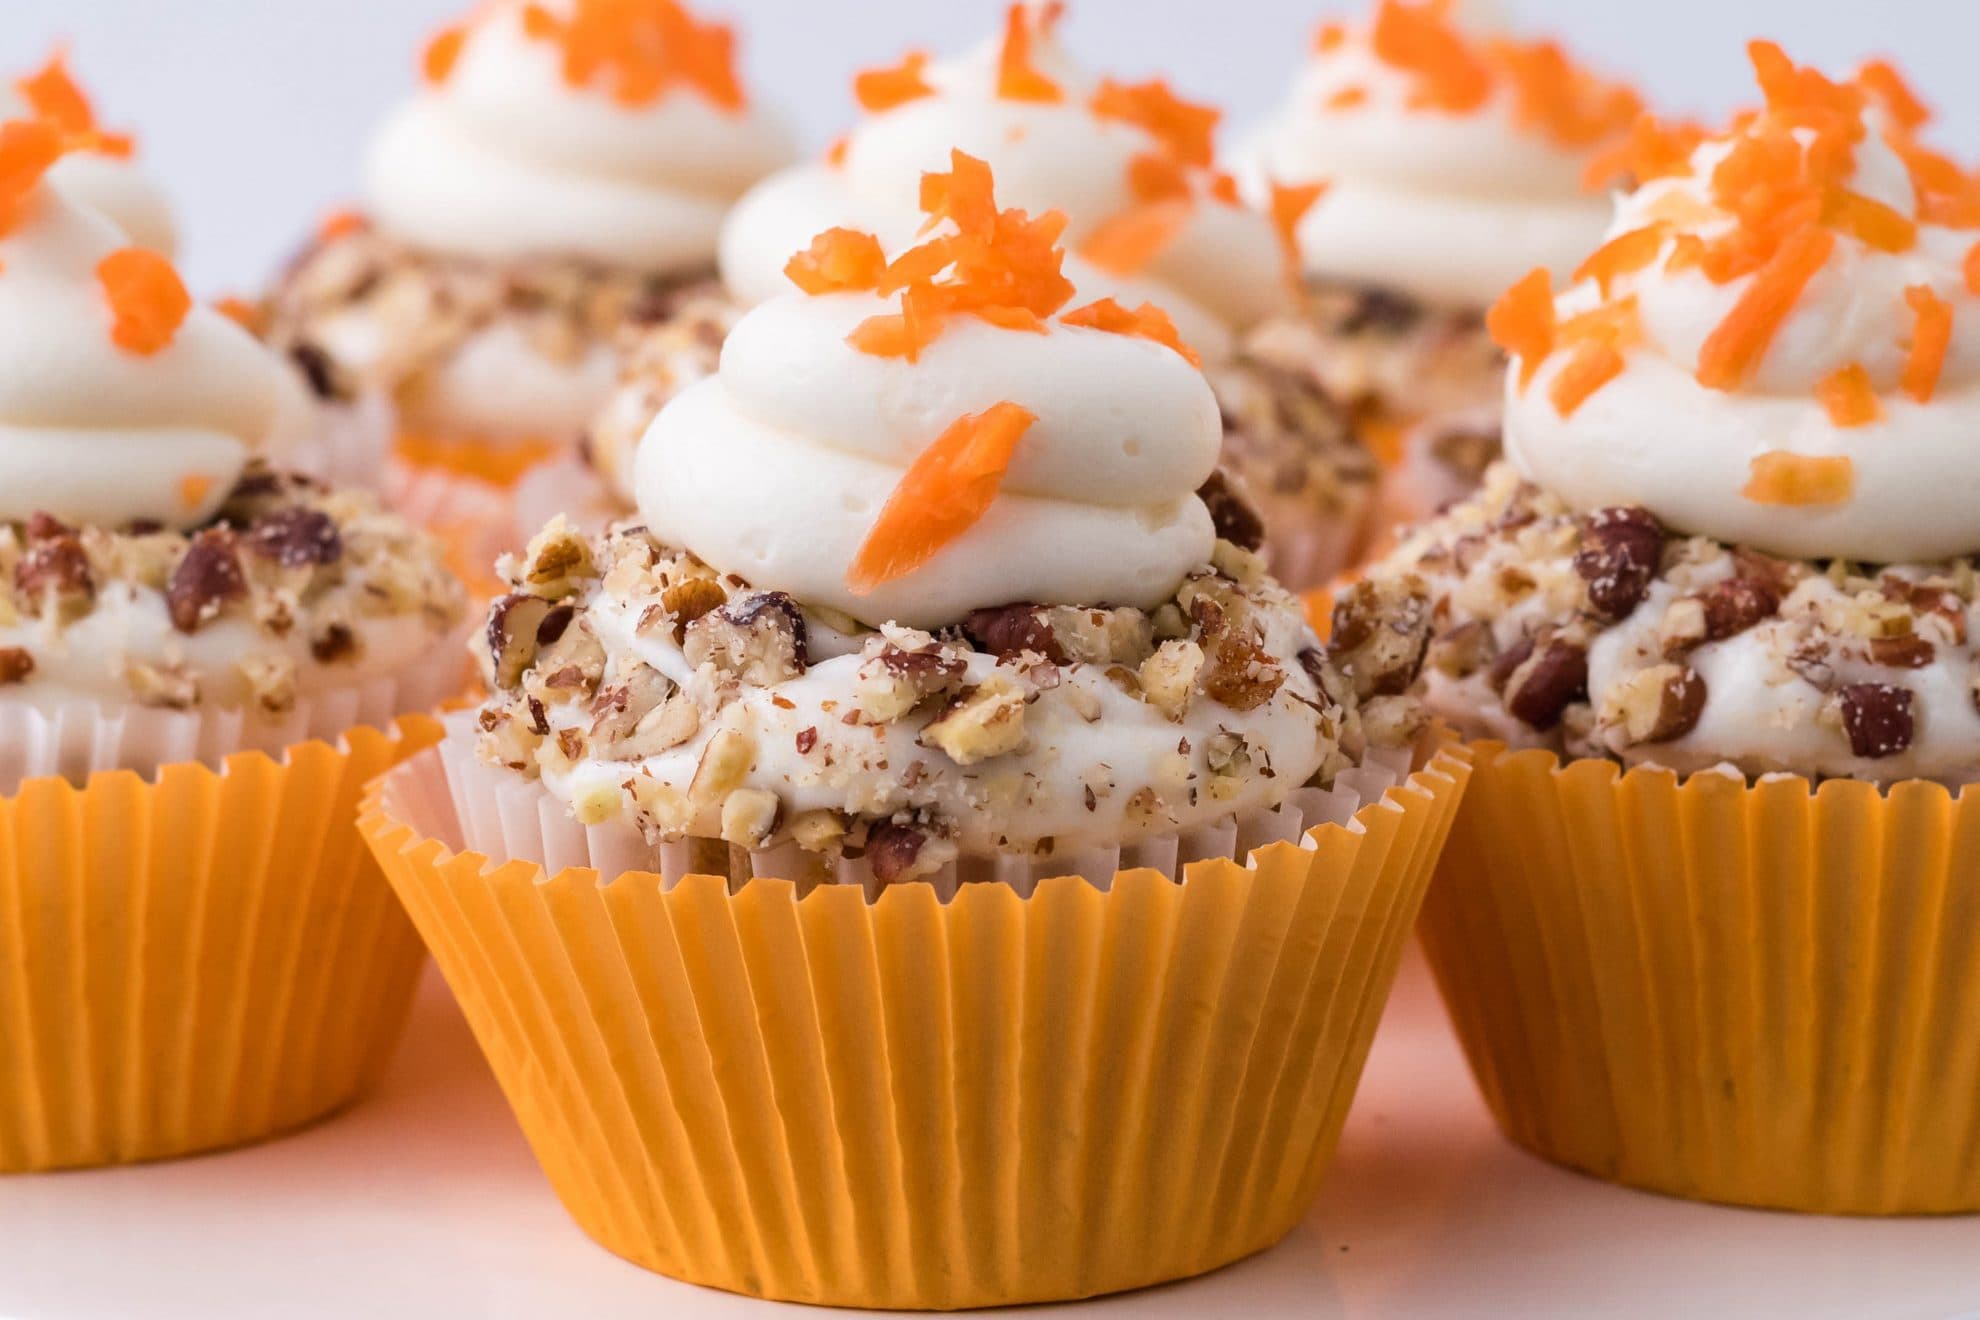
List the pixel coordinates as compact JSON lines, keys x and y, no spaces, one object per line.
{"x":516,"y":147}
{"x":93,"y":431}
{"x":1845,"y":354}
{"x":1454,"y":158}
{"x":1219,"y":270}
{"x":101,"y":172}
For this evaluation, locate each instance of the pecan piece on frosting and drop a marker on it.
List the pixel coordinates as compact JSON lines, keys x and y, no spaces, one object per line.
{"x":208,"y":578}
{"x":1381,"y":634}
{"x":1621,"y":551}
{"x":1552,"y":677}
{"x":1656,"y":705}
{"x":16,"y":665}
{"x":1878,"y":719}
{"x":296,"y":537}
{"x":54,"y":575}
{"x":759,"y":638}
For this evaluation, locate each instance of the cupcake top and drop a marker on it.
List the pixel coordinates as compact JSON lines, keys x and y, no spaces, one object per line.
{"x":1454,"y":157}
{"x":1131,"y":165}
{"x":146,"y":555}
{"x":617,"y":131}
{"x":936,"y":560}
{"x":1779,"y":344}
{"x":99,"y":167}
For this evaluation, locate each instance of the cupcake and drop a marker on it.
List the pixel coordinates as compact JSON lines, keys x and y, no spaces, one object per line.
{"x":555,"y":186}
{"x":1702,"y":923}
{"x":1149,"y":217}
{"x":201,"y":659}
{"x":1452,"y":158}
{"x":942,"y":755}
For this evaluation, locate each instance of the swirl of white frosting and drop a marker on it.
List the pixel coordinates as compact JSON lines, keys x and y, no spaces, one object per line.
{"x":1656,"y":437}
{"x":777,"y":468}
{"x":116,"y":186}
{"x":1450,"y":208}
{"x":503,"y":158}
{"x":1221,"y":271}
{"x":94,"y":433}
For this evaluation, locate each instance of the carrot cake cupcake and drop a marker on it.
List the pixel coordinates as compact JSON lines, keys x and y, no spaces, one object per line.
{"x":1451,"y":158}
{"x":1150,"y":217}
{"x":557,"y":182}
{"x":1734,"y":541}
{"x":932,"y":582}
{"x":201,"y":658}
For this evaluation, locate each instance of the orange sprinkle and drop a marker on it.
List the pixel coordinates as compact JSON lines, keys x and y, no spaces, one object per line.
{"x":1186,"y":130}
{"x":1289,"y":205}
{"x":1652,"y":150}
{"x":27,"y":148}
{"x":1126,"y":243}
{"x":838,"y":260}
{"x":1017,"y":78}
{"x":1795,"y":480}
{"x":946,"y":491}
{"x":193,"y":491}
{"x":1560,"y":102}
{"x":1882,"y":80}
{"x":1224,"y":188}
{"x":1734,"y":349}
{"x":877,"y":90}
{"x":241,"y":312}
{"x":835,"y":155}
{"x":1592,"y":366}
{"x":1870,"y":221}
{"x":1417,"y":40}
{"x":1678,"y":207}
{"x":1931,"y":333}
{"x":1348,"y":98}
{"x":1945,"y":193}
{"x":1616,"y":324}
{"x":1848,"y":397}
{"x":640,"y":50}
{"x":1332,"y":35}
{"x":442,"y":53}
{"x":341,"y":224}
{"x":148,"y":301}
{"x":1687,"y":253}
{"x":1522,"y":322}
{"x":1144,"y":322}
{"x":1625,"y":254}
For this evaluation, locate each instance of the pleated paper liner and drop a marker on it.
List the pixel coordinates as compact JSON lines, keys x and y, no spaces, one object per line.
{"x":196,"y":960}
{"x":474,"y":519}
{"x":906,"y":1102}
{"x":1766,"y":995}
{"x":495,"y":463}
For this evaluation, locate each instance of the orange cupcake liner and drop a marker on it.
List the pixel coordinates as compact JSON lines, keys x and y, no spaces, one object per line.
{"x":1763,"y":994}
{"x":197,"y":960}
{"x":495,"y":464}
{"x":909,"y":1103}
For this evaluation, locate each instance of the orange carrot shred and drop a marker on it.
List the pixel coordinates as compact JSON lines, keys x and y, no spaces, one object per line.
{"x":1522,"y":322}
{"x":1794,"y":480}
{"x":341,"y":224}
{"x":442,"y":53}
{"x":1846,"y":394}
{"x":1870,"y":221}
{"x":1332,"y":35}
{"x":1017,"y":78}
{"x":1735,"y":347}
{"x":1224,"y":188}
{"x":838,"y":260}
{"x":1625,"y":254}
{"x":1931,"y":334}
{"x":878,"y":90}
{"x":148,"y":301}
{"x":1348,"y":98}
{"x":241,"y":312}
{"x":28,"y":147}
{"x":946,"y":491}
{"x":52,"y":94}
{"x":1447,"y":75}
{"x":1971,"y":268}
{"x":1186,"y":130}
{"x":193,"y":490}
{"x":1592,"y":366}
{"x":1126,"y":243}
{"x":638,"y":51}
{"x":1289,"y":204}
{"x":835,"y":155}
{"x":1882,"y":80}
{"x":1144,"y":322}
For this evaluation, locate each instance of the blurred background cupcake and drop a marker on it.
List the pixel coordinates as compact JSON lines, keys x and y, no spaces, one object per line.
{"x":1734,"y":541}
{"x":1452,"y":157}
{"x":555,"y":185}
{"x":934,"y":617}
{"x":201,"y":659}
{"x":1150,"y":216}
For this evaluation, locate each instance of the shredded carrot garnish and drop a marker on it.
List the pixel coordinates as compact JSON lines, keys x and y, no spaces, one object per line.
{"x":1224,"y":188}
{"x":1882,"y":80}
{"x":193,"y":491}
{"x":52,"y":94}
{"x":442,"y":53}
{"x":1591,"y":367}
{"x":1971,"y":268}
{"x":1126,"y":243}
{"x":1018,"y":79}
{"x":1186,"y":130}
{"x":241,"y":312}
{"x":1289,"y":204}
{"x":1625,"y":254}
{"x":877,"y":90}
{"x":341,"y":224}
{"x":838,"y":260}
{"x":1331,"y":35}
{"x":1447,"y":75}
{"x":1560,"y":102}
{"x":1651,"y":150}
{"x":835,"y":155}
{"x":1522,"y":322}
{"x":1144,"y":322}
{"x":1348,"y":98}
{"x":1687,"y":253}
{"x":1734,"y":349}
{"x":148,"y":301}
{"x":1796,"y":480}
{"x":1869,"y":220}
{"x":1846,"y":394}
{"x":638,"y":51}
{"x":946,"y":491}
{"x":1931,"y":333}
{"x":27,"y":148}
{"x":1616,"y":324}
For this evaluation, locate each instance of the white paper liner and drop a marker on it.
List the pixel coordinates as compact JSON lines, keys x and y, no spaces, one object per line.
{"x":475,"y":807}
{"x":81,"y":738}
{"x":455,"y":505}
{"x":564,"y":486}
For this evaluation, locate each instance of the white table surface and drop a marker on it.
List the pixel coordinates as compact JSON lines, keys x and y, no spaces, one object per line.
{"x":424,"y":1201}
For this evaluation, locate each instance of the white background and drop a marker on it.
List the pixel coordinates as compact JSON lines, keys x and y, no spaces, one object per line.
{"x":256,"y":111}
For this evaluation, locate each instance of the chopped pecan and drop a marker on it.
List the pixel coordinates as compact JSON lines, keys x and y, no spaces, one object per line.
{"x":1737,"y":604}
{"x":54,"y":575}
{"x":296,"y":537}
{"x":1009,"y":630}
{"x":336,"y":642}
{"x":689,"y":599}
{"x":1552,"y":678}
{"x":1241,"y":675}
{"x":514,"y":624}
{"x":1659,"y":704}
{"x":1381,"y":633}
{"x":979,"y":722}
{"x":1909,"y":651}
{"x":208,"y":578}
{"x":895,"y":853}
{"x":1878,"y":718}
{"x":759,"y":638}
{"x":1621,"y":551}
{"x":1231,"y":513}
{"x":16,"y":665}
